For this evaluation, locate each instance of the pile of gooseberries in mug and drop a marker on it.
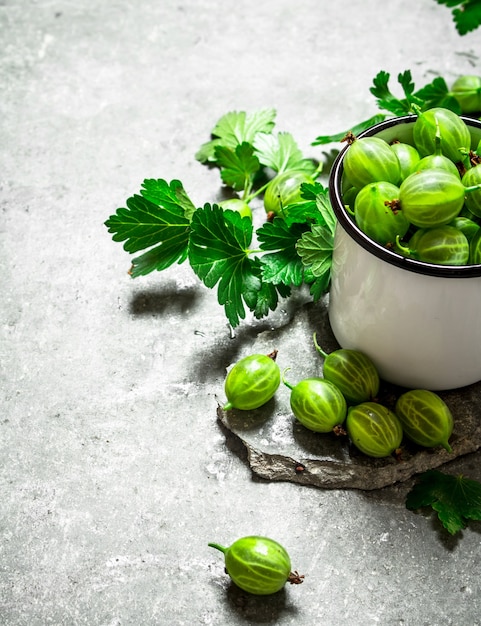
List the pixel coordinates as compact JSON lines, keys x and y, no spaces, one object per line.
{"x":420,"y":199}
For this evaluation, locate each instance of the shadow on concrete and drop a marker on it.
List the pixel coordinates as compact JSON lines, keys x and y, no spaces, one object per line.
{"x":259,"y":609}
{"x":164,"y":299}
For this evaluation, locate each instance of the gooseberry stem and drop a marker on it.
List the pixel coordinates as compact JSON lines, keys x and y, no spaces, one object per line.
{"x":227,"y":406}
{"x":287,"y":383}
{"x":472,"y":188}
{"x":318,"y":347}
{"x":217,"y":547}
{"x":407,"y":251}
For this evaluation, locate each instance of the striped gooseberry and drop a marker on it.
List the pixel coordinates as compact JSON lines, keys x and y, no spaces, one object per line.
{"x":431,"y":197}
{"x":472,"y":177}
{"x":283,"y":190}
{"x":317,"y":404}
{"x":454,"y":135}
{"x":408,"y":157}
{"x":439,"y":161}
{"x":475,"y":249}
{"x":370,"y":159}
{"x":352,"y":372}
{"x":376,"y":217}
{"x":374,"y":429}
{"x":425,"y":418}
{"x":258,"y":565}
{"x":467,"y":91}
{"x":252,"y":382}
{"x":443,"y":245}
{"x":466,"y":225}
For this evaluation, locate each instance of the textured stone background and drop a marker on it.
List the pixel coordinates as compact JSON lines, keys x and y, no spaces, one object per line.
{"x":114,"y":472}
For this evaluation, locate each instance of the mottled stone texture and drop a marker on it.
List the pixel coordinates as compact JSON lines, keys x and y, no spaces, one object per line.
{"x":115,"y":473}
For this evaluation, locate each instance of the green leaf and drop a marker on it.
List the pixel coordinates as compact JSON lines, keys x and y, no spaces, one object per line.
{"x":162,"y":194}
{"x":355,"y":130}
{"x":436,"y":93}
{"x":234,"y":128}
{"x":320,"y":286}
{"x":315,"y":208}
{"x":386,"y":100}
{"x":281,"y":153}
{"x":324,"y":206}
{"x":266,"y":298}
{"x":163,"y":219}
{"x":466,"y":14}
{"x":315,"y":249}
{"x":456,"y":499}
{"x":218,"y":253}
{"x":238,"y":166}
{"x":282,"y":264}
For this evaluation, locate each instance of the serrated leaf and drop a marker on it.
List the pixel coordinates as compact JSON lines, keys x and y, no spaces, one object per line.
{"x":466,"y":14}
{"x":456,"y":499}
{"x":325,"y":209}
{"x":238,"y":166}
{"x":315,"y":249}
{"x":161,"y":193}
{"x":436,"y":94}
{"x":234,"y":128}
{"x":319,"y":286}
{"x":218,"y":254}
{"x":355,"y":130}
{"x":145,"y":224}
{"x":265,"y":298}
{"x":281,"y":267}
{"x":160,"y":257}
{"x":386,"y":99}
{"x":281,"y":153}
{"x":282,"y":264}
{"x":468,"y":17}
{"x":406,"y":82}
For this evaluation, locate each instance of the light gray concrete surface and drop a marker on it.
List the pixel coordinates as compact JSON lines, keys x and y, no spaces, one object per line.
{"x":114,"y":472}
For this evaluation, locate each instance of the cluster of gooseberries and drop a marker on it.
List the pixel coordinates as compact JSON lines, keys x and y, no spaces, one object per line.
{"x":421,"y":199}
{"x":344,"y":400}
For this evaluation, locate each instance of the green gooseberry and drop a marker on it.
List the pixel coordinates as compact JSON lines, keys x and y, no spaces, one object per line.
{"x":408,"y":157}
{"x":370,"y":159}
{"x":466,"y":225}
{"x":467,"y":91}
{"x":349,"y":197}
{"x":236,"y":204}
{"x":452,"y":131}
{"x":252,"y":382}
{"x":374,"y":429}
{"x":258,"y":565}
{"x":431,"y":197}
{"x":439,"y":161}
{"x":283,"y":190}
{"x":443,"y":245}
{"x":377,"y":215}
{"x":475,"y":249}
{"x":425,"y":418}
{"x":317,"y":404}
{"x":352,"y":372}
{"x":472,"y":177}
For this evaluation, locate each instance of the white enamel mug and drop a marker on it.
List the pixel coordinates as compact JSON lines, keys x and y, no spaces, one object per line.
{"x":419,"y":323}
